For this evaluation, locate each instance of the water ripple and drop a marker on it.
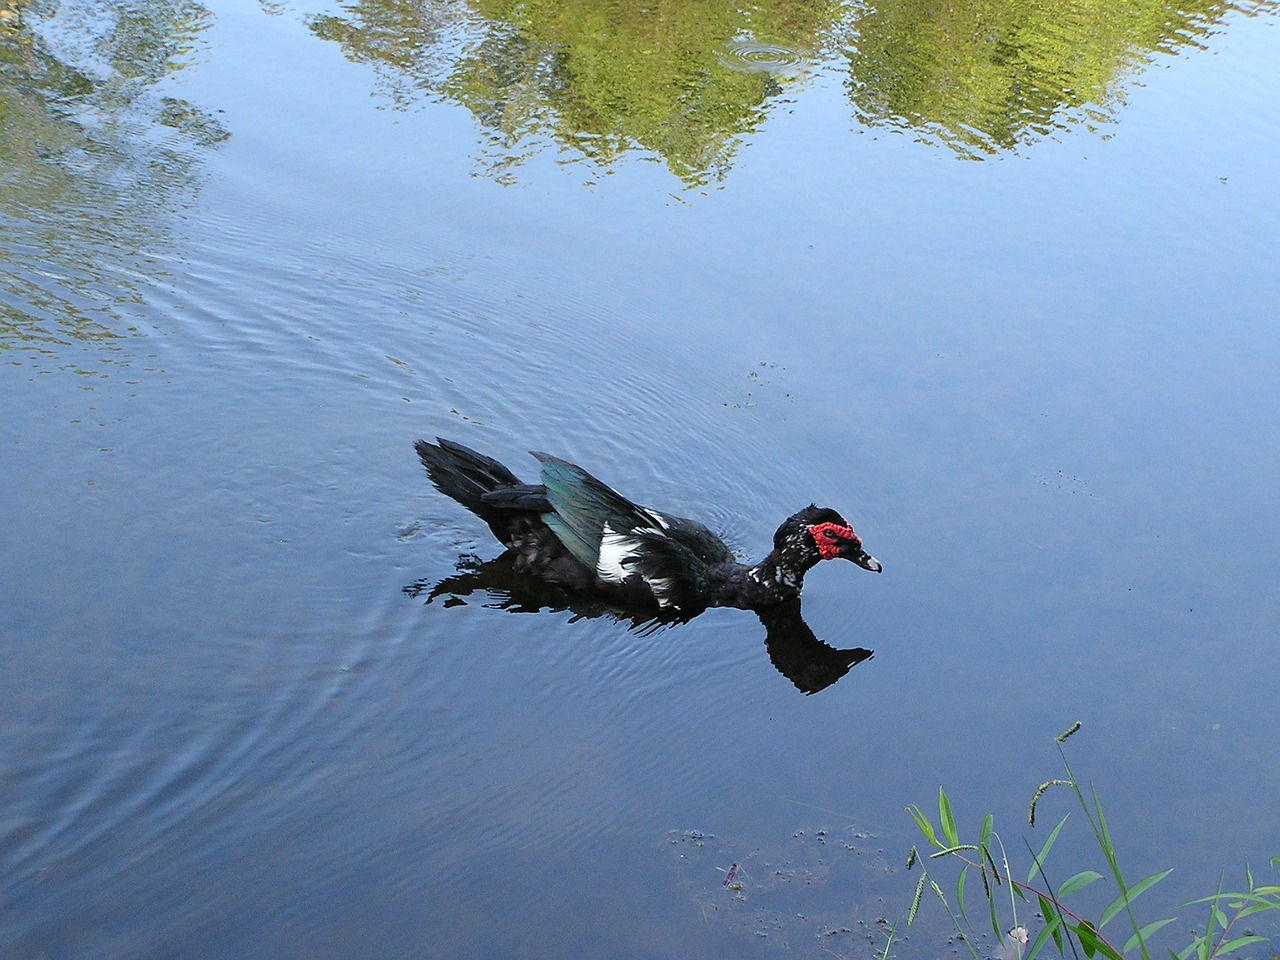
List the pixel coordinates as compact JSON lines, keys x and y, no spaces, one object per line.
{"x":754,"y":56}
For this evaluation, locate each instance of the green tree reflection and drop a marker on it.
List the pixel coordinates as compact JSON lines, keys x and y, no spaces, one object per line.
{"x":678,"y":79}
{"x":91,"y":164}
{"x":986,"y":76}
{"x":685,"y":80}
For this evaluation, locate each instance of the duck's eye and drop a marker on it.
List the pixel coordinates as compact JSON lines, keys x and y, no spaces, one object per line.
{"x":831,"y":534}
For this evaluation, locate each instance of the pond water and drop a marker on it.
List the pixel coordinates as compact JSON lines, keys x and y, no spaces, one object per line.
{"x":999,"y":284}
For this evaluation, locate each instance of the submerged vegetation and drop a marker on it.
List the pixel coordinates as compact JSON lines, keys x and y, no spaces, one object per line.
{"x":1226,"y":914}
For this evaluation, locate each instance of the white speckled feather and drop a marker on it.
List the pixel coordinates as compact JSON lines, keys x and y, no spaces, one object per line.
{"x":615,"y":549}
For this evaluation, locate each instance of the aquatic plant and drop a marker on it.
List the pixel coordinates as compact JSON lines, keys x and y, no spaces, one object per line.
{"x":1070,"y":931}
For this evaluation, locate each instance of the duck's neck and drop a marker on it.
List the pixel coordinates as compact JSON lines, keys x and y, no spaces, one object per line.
{"x":780,"y":570}
{"x":775,"y":579}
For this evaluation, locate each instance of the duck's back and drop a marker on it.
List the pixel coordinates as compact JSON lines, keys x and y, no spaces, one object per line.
{"x":671,"y":560}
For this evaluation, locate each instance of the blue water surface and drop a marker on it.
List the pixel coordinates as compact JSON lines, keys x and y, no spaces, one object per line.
{"x":247,"y":263}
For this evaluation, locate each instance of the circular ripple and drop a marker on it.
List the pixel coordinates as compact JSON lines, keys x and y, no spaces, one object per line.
{"x":752,"y":56}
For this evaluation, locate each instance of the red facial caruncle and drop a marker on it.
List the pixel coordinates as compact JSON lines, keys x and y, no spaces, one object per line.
{"x":829,"y":537}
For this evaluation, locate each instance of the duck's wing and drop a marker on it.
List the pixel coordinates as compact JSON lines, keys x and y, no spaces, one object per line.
{"x":675,"y":575}
{"x":620,"y":540}
{"x":705,"y":544}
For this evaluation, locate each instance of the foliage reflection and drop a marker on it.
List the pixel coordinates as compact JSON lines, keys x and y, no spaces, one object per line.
{"x":686,"y":80}
{"x":90,"y":158}
{"x":985,"y":76}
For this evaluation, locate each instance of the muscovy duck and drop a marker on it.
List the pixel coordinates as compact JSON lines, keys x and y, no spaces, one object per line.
{"x":572,"y":530}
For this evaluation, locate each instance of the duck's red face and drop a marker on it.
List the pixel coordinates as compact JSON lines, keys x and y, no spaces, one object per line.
{"x":838,"y":540}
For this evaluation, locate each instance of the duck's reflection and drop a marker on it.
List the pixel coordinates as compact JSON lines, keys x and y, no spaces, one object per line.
{"x":801,"y":657}
{"x":794,"y":650}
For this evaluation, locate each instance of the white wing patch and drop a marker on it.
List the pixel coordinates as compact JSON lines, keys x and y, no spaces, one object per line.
{"x":662,"y":520}
{"x":616,"y":549}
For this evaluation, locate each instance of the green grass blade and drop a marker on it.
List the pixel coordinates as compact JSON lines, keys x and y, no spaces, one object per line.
{"x":1044,"y":851}
{"x":946,"y":820}
{"x":923,"y":823}
{"x":1088,"y":942}
{"x":1249,"y":911}
{"x":960,"y":892}
{"x":984,"y":848}
{"x":1048,"y":909}
{"x":1234,"y":898}
{"x":1237,"y":943}
{"x":1130,"y":895}
{"x":1077,"y":882}
{"x":889,"y":944}
{"x":1050,"y":930}
{"x":1103,"y":835}
{"x":1092,"y":942}
{"x":1203,"y":945}
{"x":1142,"y":935}
{"x":1053,"y":922}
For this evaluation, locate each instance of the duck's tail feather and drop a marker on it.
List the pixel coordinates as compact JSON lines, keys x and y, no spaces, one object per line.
{"x":481,"y":484}
{"x":523,"y":496}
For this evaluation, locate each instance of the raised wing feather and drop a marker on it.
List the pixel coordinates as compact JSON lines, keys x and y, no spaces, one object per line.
{"x":618,"y":539}
{"x":582,"y":506}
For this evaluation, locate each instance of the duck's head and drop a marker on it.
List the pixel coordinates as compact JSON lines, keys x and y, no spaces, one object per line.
{"x":819,"y":533}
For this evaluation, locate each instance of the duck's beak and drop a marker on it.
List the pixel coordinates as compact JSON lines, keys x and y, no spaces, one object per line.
{"x":852,"y":550}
